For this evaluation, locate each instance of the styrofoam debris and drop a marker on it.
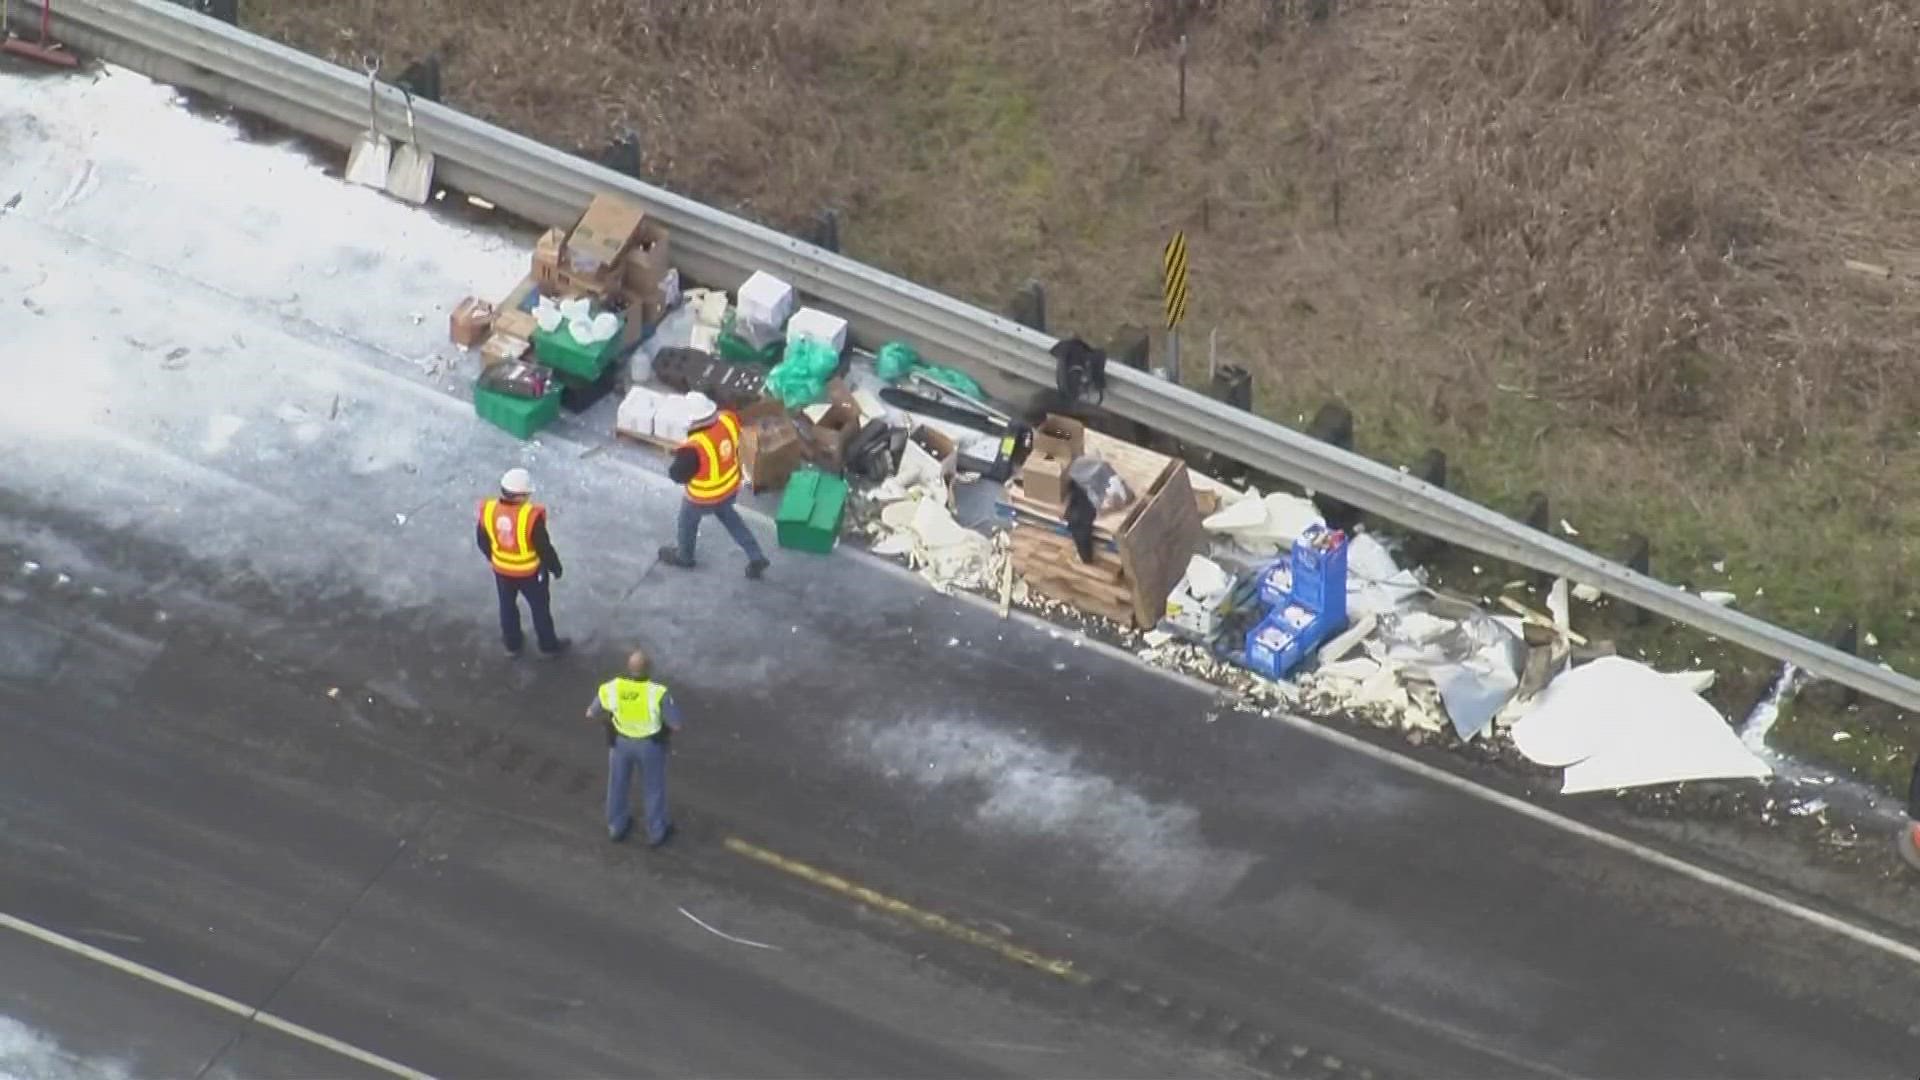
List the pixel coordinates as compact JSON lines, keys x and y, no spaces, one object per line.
{"x":1587,"y":594}
{"x":1842,"y":736}
{"x":1718,"y":597}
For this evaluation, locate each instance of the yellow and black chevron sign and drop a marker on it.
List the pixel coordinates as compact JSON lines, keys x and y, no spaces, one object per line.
{"x":1174,"y":277}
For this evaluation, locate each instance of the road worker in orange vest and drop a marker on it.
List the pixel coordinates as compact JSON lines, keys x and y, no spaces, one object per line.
{"x":512,"y":534}
{"x":708,"y":463}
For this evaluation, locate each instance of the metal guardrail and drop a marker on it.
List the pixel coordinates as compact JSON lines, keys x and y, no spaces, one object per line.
{"x":542,"y":184}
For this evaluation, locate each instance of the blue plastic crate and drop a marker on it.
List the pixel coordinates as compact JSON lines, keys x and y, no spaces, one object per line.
{"x":1275,"y":582}
{"x":1320,"y":577}
{"x":1281,"y":641}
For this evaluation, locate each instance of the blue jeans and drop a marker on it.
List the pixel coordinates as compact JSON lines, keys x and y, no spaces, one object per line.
{"x":535,"y":590}
{"x":690,"y":514}
{"x":650,"y":757}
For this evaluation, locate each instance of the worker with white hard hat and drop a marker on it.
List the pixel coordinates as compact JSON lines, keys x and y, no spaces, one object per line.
{"x":708,"y":463}
{"x":512,"y":534}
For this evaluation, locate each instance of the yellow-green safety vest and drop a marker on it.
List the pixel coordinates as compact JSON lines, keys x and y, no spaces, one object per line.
{"x":635,"y":705}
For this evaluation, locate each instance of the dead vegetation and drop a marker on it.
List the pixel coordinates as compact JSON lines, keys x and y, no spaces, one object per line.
{"x":1595,"y":247}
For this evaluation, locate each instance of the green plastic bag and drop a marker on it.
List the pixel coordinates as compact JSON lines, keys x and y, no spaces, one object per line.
{"x":801,"y":378}
{"x":895,"y":361}
{"x":955,"y":378}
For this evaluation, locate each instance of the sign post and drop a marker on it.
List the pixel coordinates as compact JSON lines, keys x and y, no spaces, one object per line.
{"x":1174,"y":289}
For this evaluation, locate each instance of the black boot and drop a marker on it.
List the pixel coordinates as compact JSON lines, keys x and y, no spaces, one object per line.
{"x":670,"y":554}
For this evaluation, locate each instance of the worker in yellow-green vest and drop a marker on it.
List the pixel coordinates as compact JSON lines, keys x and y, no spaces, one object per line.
{"x":641,"y":717}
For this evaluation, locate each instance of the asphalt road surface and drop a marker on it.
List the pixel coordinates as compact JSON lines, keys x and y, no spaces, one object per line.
{"x":256,"y":734}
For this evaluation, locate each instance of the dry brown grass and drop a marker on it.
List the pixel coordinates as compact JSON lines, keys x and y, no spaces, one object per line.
{"x":1592,"y":246}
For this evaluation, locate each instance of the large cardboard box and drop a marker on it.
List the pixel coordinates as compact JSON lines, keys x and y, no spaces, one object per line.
{"x":771,"y":449}
{"x":546,"y":260}
{"x":1060,"y":437}
{"x":647,"y":262}
{"x":592,"y":261}
{"x":515,"y":323}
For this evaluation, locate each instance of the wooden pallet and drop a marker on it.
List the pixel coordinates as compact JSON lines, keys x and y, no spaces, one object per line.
{"x":647,"y":439}
{"x":1050,"y":564}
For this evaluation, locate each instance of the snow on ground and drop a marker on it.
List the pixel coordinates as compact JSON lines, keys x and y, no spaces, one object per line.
{"x":221,"y":347}
{"x":27,"y":1054}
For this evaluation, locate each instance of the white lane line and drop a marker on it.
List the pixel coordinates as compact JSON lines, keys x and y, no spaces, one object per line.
{"x":208,"y":997}
{"x":1779,"y":904}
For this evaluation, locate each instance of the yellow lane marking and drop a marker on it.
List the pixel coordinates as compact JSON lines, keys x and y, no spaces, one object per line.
{"x":926,"y":920}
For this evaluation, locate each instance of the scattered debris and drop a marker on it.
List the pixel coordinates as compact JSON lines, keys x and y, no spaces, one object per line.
{"x":723,"y":934}
{"x":1842,"y":736}
{"x":1587,"y":594}
{"x":1615,"y":723}
{"x":1567,"y":528}
{"x":1718,"y":597}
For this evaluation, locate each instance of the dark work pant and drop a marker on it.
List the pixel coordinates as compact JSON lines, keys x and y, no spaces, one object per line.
{"x":689,"y":527}
{"x":535,"y":590}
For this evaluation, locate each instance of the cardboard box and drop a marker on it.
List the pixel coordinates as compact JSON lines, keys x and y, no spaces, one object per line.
{"x":647,"y":263}
{"x":1044,"y":479}
{"x":471,"y":322}
{"x":833,"y":432}
{"x":771,"y":449}
{"x":939,"y":444}
{"x":515,"y":323}
{"x":1060,"y":437}
{"x":502,"y":348}
{"x":546,"y":260}
{"x":602,"y":236}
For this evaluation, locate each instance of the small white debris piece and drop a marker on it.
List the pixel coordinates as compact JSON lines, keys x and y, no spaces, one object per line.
{"x":1587,"y":594}
{"x":1720,"y":566}
{"x":1718,"y":597}
{"x":1157,"y":638}
{"x":1870,"y":639}
{"x":1567,"y":527}
{"x":29,"y":567}
{"x":61,"y":579}
{"x":952,"y":641}
{"x":1811,"y":806}
{"x":399,"y":519}
{"x":333,"y":692}
{"x":478,"y":202}
{"x":1476,"y":571}
{"x":1842,"y":736}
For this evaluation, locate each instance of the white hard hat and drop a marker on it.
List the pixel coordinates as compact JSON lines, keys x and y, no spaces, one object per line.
{"x":701,"y":411}
{"x":517,"y":482}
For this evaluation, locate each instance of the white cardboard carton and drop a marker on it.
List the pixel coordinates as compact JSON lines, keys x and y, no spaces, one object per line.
{"x":819,"y":326}
{"x":766,"y":299}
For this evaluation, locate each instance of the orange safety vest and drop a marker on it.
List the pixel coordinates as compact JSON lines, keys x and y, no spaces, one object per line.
{"x":510,"y":535}
{"x":718,"y":445}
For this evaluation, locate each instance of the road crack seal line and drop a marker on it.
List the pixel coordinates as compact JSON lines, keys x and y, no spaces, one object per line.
{"x":1260,"y":1046}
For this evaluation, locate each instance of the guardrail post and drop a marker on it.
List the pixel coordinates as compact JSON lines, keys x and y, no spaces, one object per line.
{"x":1029,"y":307}
{"x":1638,"y":558}
{"x":1233,"y":384}
{"x":1132,"y":346}
{"x":1845,"y":636}
{"x":1538,"y":516}
{"x":422,"y":78}
{"x":623,"y":154}
{"x":227,"y":11}
{"x":826,"y":229}
{"x":1333,"y":425}
{"x":1431,"y":468}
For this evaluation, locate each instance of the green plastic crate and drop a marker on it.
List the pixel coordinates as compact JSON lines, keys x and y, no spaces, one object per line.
{"x":560,"y":352}
{"x":810,"y":511}
{"x":518,"y":416}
